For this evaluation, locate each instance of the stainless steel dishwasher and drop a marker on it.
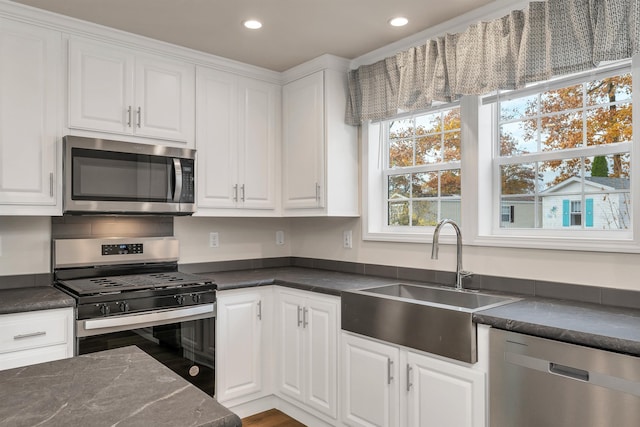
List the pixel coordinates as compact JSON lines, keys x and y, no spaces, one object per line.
{"x":537,"y":382}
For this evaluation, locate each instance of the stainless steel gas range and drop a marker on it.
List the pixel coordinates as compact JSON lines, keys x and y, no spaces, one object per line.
{"x":129,"y":292}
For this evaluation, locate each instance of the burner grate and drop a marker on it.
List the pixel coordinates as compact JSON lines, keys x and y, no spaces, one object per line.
{"x":98,"y":285}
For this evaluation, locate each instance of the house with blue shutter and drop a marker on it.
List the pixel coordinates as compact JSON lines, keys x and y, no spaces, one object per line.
{"x":603,"y":203}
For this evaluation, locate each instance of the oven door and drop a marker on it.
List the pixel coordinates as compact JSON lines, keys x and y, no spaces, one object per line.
{"x":182,"y":339}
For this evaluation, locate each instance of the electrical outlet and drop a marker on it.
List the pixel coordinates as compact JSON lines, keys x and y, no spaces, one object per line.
{"x":213,"y":240}
{"x":279,"y":237}
{"x":347,"y":239}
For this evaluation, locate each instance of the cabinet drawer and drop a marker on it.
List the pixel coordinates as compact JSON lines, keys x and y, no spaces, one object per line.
{"x":30,"y":357}
{"x":22,"y":331}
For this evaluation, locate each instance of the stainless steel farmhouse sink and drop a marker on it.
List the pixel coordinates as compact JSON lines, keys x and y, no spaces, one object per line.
{"x":434,"y":319}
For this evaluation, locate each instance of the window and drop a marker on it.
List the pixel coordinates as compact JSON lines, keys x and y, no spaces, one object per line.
{"x":563,"y":146}
{"x":422,"y":168}
{"x":508,"y":213}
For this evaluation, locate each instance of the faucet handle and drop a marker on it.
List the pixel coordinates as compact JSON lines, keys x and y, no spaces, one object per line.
{"x":464,"y":274}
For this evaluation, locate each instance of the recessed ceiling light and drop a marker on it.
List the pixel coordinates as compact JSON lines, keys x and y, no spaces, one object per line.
{"x":252,"y":24}
{"x":399,"y":21}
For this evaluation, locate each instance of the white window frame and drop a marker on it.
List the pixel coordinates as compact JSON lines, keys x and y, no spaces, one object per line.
{"x":489,"y":232}
{"x":374,"y":185}
{"x":479,"y":207}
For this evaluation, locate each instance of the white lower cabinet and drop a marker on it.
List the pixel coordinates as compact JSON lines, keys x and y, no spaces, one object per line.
{"x":370,"y":386}
{"x":35,"y":337}
{"x":243,"y":333}
{"x":306,"y":336}
{"x":387,"y":385}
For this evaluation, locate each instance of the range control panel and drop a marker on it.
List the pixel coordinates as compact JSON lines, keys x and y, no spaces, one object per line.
{"x":123,"y":249}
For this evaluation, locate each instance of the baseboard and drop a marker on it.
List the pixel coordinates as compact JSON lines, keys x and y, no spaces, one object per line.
{"x":253,"y":407}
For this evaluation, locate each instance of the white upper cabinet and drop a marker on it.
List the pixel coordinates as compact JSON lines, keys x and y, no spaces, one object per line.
{"x":117,"y":90}
{"x":238,"y":133}
{"x":320,"y":152}
{"x":303,"y":149}
{"x":30,"y":64}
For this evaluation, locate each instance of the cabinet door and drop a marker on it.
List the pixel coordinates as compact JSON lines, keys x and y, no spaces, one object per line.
{"x":258,"y":135}
{"x":29,"y":104}
{"x":100,"y":87}
{"x":216,"y":139}
{"x":320,"y":323}
{"x":303,"y":142}
{"x":442,"y":394}
{"x":370,"y":383}
{"x":289,"y":333}
{"x":164,"y":99}
{"x":239,"y":345}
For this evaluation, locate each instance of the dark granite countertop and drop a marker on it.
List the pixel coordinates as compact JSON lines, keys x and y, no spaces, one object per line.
{"x":594,"y":325}
{"x":33,"y":298}
{"x":321,"y":281}
{"x":124,"y":387}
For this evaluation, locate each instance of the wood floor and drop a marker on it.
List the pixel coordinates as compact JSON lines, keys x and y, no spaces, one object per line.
{"x":270,"y":418}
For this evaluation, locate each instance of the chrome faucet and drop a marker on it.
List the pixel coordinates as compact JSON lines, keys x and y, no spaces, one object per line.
{"x":460,"y":274}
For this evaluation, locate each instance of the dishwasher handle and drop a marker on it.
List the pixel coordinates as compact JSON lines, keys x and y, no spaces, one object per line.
{"x":569,"y":372}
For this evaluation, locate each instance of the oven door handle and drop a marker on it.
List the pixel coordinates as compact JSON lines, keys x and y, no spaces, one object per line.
{"x":154,"y":318}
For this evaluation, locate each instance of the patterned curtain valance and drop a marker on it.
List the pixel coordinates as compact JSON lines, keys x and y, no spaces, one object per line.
{"x":549,"y":38}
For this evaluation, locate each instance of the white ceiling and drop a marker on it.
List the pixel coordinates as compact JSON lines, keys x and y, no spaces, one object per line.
{"x":294,"y":31}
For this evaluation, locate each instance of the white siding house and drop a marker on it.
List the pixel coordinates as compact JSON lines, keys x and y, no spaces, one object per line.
{"x":603,"y":204}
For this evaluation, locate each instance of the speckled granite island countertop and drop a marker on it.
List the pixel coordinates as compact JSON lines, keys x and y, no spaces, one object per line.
{"x":123,"y":387}
{"x":600,"y":326}
{"x":33,"y":298}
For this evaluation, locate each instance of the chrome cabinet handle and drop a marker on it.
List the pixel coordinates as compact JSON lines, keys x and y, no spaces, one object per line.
{"x":260,"y":310}
{"x":389,"y":367}
{"x":305,"y":311}
{"x":299,"y":317}
{"x":139,"y":114}
{"x":235,"y":193}
{"x":51,"y":184}
{"x":242,"y":193}
{"x":29,"y":335}
{"x":129,"y":116}
{"x":409,"y":384}
{"x":317,"y":192}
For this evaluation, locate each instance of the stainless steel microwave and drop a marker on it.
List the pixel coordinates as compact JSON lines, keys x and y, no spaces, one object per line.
{"x":115,"y":177}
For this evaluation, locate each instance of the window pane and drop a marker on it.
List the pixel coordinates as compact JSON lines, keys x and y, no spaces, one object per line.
{"x":518,"y":212}
{"x":399,"y":213}
{"x":611,"y":211}
{"x":425,"y":213}
{"x":450,"y":183}
{"x":518,"y":138}
{"x":425,"y":184}
{"x":608,"y":125}
{"x":452,"y":119}
{"x":567,"y":98}
{"x":428,"y":149}
{"x":561,"y":132}
{"x":518,"y":108}
{"x":520,"y":178}
{"x":607,"y":173}
{"x":450,"y":208}
{"x":452,"y":146}
{"x":556,"y":172}
{"x":400,"y":153}
{"x":610,"y":89}
{"x":399,"y":187}
{"x":429,"y":124}
{"x":401,"y":129}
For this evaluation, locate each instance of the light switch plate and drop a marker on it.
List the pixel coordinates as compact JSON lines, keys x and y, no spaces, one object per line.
{"x":347,"y":239}
{"x":279,"y":237}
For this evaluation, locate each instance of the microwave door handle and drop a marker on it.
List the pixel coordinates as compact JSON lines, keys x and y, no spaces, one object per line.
{"x":177,"y":174}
